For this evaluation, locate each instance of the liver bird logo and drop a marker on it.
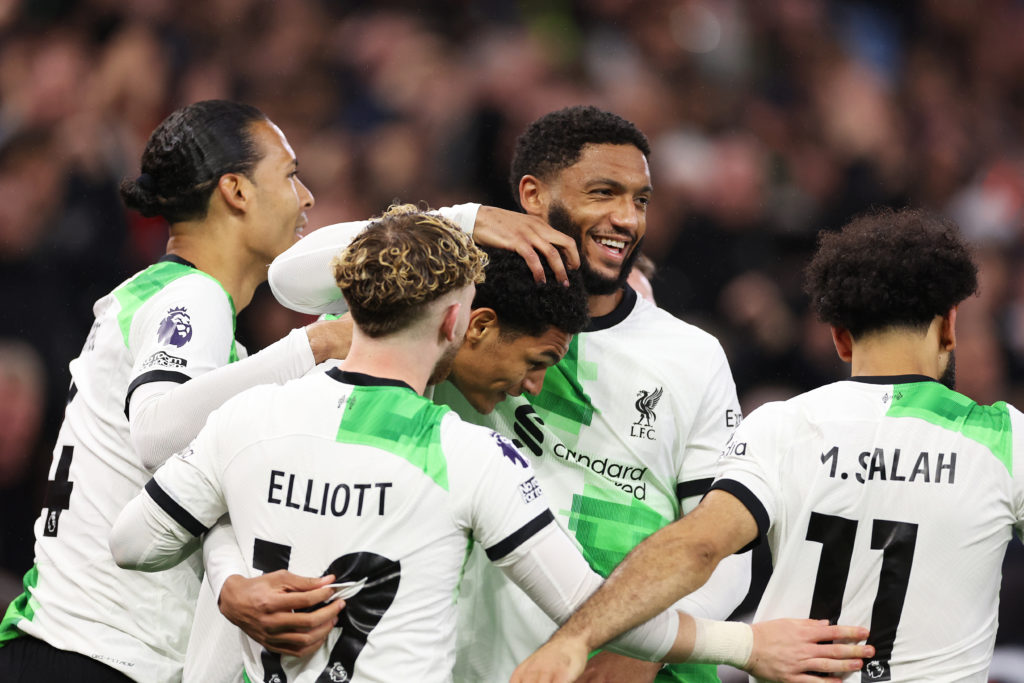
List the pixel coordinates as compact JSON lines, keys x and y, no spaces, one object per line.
{"x":646,"y":403}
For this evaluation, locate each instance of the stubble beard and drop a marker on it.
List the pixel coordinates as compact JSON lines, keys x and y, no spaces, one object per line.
{"x":593,"y":281}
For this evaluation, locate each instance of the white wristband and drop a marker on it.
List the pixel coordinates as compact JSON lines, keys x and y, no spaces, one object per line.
{"x":722,"y":642}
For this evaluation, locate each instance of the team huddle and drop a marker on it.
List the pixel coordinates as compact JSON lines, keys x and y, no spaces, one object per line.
{"x":491,"y":459}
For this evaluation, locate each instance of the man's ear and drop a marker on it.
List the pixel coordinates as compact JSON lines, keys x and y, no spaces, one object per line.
{"x":234,"y":190}
{"x":450,"y":320}
{"x":483,"y":323}
{"x":843,"y":340}
{"x":533,"y":196}
{"x":947,"y":330}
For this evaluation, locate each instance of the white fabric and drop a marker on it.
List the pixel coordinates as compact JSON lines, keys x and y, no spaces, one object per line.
{"x":288,"y":463}
{"x":863,"y":477}
{"x":80,"y":600}
{"x":301,"y":277}
{"x":610,"y":481}
{"x":166,"y":416}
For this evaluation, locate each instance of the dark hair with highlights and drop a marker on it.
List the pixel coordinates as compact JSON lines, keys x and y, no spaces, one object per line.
{"x":890,"y":268}
{"x":526,"y":307}
{"x":554,"y":141}
{"x":186,"y":156}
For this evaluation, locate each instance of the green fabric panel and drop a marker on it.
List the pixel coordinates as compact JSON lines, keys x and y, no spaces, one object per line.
{"x":562,"y":402}
{"x":689,"y":673}
{"x":932,"y":402}
{"x":20,"y":608}
{"x":397,"y":420}
{"x":608,"y":529}
{"x":137,"y":291}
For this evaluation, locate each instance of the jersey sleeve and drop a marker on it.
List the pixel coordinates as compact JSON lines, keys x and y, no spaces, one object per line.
{"x":163,"y":524}
{"x":718,"y":415}
{"x":494,"y":490}
{"x":301,"y":277}
{"x":748,"y":468}
{"x":185,"y":330}
{"x":188,"y":486}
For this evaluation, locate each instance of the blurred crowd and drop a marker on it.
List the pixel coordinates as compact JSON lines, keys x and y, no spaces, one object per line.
{"x":769,"y":121}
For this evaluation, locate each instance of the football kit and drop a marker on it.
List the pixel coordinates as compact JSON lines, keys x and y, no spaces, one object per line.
{"x":165,"y":326}
{"x":347,"y":474}
{"x":888,"y":502}
{"x":624,"y":437}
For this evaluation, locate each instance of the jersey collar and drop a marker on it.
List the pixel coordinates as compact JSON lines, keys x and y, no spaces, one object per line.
{"x":620,"y":313}
{"x":891,"y":379}
{"x":174,"y":258}
{"x":361,"y":380}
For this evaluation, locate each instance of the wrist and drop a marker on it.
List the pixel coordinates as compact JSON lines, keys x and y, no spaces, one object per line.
{"x":722,"y":642}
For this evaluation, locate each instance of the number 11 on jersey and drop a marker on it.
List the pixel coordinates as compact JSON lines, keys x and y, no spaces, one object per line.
{"x":896,"y":540}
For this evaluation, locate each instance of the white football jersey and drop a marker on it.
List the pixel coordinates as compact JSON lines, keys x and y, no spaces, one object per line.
{"x":887,"y":502}
{"x":169,"y":322}
{"x":628,"y":424}
{"x":360,"y":477}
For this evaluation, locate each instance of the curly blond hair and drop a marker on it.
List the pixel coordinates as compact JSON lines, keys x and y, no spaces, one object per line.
{"x":402,"y":260}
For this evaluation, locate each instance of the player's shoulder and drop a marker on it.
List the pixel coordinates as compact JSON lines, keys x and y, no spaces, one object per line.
{"x":659,"y":325}
{"x":465,"y":439}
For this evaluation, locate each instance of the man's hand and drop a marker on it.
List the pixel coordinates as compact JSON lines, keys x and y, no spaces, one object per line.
{"x":786,"y":649}
{"x":608,"y":667}
{"x":528,"y":236}
{"x":330,"y":338}
{"x":262,"y":608}
{"x":560,"y":660}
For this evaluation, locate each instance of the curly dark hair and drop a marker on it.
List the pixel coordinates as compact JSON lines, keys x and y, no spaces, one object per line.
{"x":186,"y":156}
{"x":890,"y":268}
{"x":554,"y":141}
{"x":525,"y":307}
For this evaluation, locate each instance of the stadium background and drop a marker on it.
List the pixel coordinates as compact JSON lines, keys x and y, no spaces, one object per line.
{"x":769,"y":121}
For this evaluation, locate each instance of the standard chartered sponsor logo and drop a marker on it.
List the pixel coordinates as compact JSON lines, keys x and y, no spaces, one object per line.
{"x":627,"y":477}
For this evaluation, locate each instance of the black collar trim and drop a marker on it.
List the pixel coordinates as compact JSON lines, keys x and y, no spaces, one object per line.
{"x":620,"y":313}
{"x":173,"y":258}
{"x":362,"y":380}
{"x":892,"y":379}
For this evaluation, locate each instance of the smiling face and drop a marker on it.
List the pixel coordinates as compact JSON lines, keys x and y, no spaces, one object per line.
{"x":491,"y":366}
{"x":602,"y":201}
{"x":280,"y":198}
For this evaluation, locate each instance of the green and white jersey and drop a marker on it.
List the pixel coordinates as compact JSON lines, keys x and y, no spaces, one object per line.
{"x":887,"y":502}
{"x":359,"y":477}
{"x":628,"y":424}
{"x":169,"y":322}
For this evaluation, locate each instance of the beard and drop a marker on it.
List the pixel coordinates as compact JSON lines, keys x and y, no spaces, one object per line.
{"x":594,"y":282}
{"x":444,"y":364}
{"x":948,"y":378}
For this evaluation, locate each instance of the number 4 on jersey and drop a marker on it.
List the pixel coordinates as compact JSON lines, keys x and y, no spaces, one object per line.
{"x":896,"y":540}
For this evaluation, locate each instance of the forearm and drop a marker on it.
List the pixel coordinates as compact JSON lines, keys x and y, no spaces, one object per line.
{"x":723,"y":592}
{"x":165,"y":416}
{"x":557,"y":578}
{"x":665,"y":567}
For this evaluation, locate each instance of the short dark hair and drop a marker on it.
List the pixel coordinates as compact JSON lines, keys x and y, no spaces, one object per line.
{"x":401,"y":261}
{"x":890,"y":268}
{"x":554,"y":141}
{"x":524,"y":306}
{"x":186,"y":156}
